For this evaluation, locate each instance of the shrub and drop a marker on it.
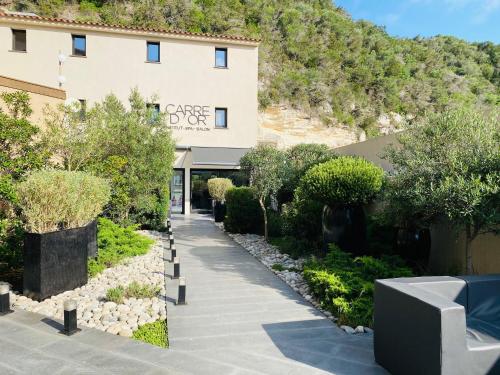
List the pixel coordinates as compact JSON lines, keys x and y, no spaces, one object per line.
{"x":136,"y":290}
{"x":344,"y":285}
{"x":218,"y":187}
{"x":53,"y":200}
{"x":243,"y":214}
{"x":345,"y":180}
{"x":302,"y":218}
{"x":278,"y":267}
{"x":116,"y":243}
{"x":116,"y":295}
{"x":153,"y":333}
{"x":292,"y":246}
{"x":11,"y":244}
{"x":133,"y":290}
{"x":275,"y":224}
{"x":300,"y":158}
{"x":128,"y":145}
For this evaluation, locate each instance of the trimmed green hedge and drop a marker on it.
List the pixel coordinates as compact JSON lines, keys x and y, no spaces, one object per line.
{"x":116,"y":243}
{"x":155,"y":333}
{"x":345,"y":180}
{"x":344,"y":285}
{"x":243,"y":213}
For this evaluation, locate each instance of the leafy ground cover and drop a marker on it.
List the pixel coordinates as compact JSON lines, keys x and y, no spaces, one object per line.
{"x":116,"y":243}
{"x":344,"y":285}
{"x":155,"y":333}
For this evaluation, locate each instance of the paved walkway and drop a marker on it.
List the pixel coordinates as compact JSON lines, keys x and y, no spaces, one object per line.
{"x":240,"y":320}
{"x":244,"y":320}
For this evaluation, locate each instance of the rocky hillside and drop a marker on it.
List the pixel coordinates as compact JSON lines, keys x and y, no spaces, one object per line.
{"x":318,"y":67}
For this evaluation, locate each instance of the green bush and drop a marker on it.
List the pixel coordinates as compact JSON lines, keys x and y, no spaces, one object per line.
{"x":300,"y":158}
{"x":153,"y":333}
{"x":116,"y":243}
{"x":344,"y":285}
{"x":116,"y":295}
{"x":133,"y":290}
{"x":136,"y":290}
{"x":302,"y":218}
{"x":53,"y":200}
{"x":345,"y":180}
{"x":292,"y":246}
{"x":274,"y":223}
{"x":218,"y":187}
{"x":128,"y":145}
{"x":11,"y":244}
{"x":243,"y":213}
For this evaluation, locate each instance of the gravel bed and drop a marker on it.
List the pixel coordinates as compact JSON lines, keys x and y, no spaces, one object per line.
{"x":93,"y":309}
{"x":287,"y":269}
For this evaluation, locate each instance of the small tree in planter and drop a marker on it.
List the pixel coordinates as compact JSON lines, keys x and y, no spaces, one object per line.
{"x":448,"y":166}
{"x":59,"y":208}
{"x":265,"y":167}
{"x":217,"y":188}
{"x":343,"y":185}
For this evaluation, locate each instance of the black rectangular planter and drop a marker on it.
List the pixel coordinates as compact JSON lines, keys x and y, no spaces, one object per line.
{"x":55,"y":262}
{"x":92,"y":234}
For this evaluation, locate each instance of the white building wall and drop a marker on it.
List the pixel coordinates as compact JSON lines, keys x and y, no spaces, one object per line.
{"x":116,"y":63}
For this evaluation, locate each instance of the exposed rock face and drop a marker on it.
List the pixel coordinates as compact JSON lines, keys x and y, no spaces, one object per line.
{"x":285,"y":126}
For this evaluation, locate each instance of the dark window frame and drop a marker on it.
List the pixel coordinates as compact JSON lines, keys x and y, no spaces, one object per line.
{"x":73,"y":48}
{"x":14,"y":40}
{"x":225,"y":117}
{"x":148,"y":43}
{"x":156,"y":107}
{"x":83,"y":109}
{"x":223,"y":49}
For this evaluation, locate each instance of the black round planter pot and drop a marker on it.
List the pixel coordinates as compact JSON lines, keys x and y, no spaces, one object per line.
{"x":56,"y":262}
{"x":219,"y":212}
{"x":345,"y":226}
{"x":413,"y":244}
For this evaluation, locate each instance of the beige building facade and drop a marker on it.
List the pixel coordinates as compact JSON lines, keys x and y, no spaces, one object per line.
{"x":206,"y":84}
{"x":41,"y":96}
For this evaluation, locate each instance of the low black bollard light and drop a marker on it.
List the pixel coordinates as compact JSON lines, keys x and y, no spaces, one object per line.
{"x":5,"y":299}
{"x":173,"y":253}
{"x":181,"y":299}
{"x":177,"y":268}
{"x":70,"y":320}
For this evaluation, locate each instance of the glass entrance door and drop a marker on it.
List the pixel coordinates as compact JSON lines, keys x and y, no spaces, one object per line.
{"x":177,"y":192}
{"x":200,"y":199}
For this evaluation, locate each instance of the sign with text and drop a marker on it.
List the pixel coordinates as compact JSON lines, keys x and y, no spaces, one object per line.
{"x":188,"y":117}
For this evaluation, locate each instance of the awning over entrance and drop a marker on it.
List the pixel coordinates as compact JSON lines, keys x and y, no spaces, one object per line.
{"x":217,"y":155}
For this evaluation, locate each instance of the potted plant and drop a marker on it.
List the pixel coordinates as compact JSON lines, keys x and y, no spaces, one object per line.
{"x":217,"y":188}
{"x":59,"y":208}
{"x":343,"y":185}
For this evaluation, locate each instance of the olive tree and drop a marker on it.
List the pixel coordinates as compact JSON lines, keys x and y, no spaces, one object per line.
{"x":448,"y":165}
{"x":131,"y":146}
{"x":265,"y":167}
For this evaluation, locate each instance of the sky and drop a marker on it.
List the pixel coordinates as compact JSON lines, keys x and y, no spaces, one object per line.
{"x":472,"y":20}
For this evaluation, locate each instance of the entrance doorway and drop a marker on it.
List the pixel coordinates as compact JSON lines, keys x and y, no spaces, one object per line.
{"x":177,"y":192}
{"x":200,"y":198}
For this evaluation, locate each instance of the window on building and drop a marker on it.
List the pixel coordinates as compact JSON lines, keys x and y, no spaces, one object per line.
{"x":83,"y":108}
{"x":221,"y":57}
{"x":155,"y":107}
{"x":221,"y":117}
{"x":153,"y":51}
{"x":79,"y":45}
{"x":19,"y":40}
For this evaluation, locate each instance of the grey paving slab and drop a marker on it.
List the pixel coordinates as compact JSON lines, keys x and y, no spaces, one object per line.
{"x":241,"y":315}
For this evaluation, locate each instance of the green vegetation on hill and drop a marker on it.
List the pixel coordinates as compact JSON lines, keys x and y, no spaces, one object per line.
{"x":314,"y":56}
